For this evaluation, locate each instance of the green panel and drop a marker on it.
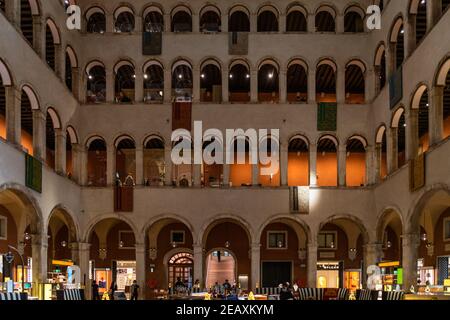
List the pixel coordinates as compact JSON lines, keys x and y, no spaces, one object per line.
{"x":400,"y":276}
{"x":326,"y":116}
{"x":33,"y":173}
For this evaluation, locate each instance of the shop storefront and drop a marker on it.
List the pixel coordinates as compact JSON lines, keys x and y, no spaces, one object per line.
{"x":330,"y":274}
{"x":391,"y":275}
{"x":15,"y":277}
{"x":122,"y":272}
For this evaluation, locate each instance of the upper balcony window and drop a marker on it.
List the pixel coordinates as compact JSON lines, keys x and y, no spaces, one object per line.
{"x":182,"y":81}
{"x":153,"y":20}
{"x":296,"y":19}
{"x":124,"y":20}
{"x":268,"y":19}
{"x":210,"y":20}
{"x":239,"y":20}
{"x":124,"y":82}
{"x":181,"y":19}
{"x":96,"y":21}
{"x":96,"y":84}
{"x":354,"y":20}
{"x":325,"y":19}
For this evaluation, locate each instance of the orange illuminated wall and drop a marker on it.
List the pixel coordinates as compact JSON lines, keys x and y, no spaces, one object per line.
{"x":356,"y":169}
{"x":327,"y":170}
{"x":446,"y":127}
{"x":240,"y":174}
{"x":269,"y":181}
{"x":27,"y":142}
{"x":2,"y":127}
{"x":298,"y":169}
{"x":383,"y":169}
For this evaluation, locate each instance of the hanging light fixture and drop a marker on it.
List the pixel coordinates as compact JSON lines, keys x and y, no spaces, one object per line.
{"x":121,"y":244}
{"x":388,"y":244}
{"x":174,"y":244}
{"x":63,"y":244}
{"x":227,"y":244}
{"x":332,"y":245}
{"x":27,"y":236}
{"x":424,"y":236}
{"x":280,"y":244}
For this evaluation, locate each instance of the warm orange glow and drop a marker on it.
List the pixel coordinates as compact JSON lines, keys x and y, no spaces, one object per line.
{"x":447,"y":127}
{"x":383,"y":169}
{"x":356,"y":169}
{"x":327,"y":170}
{"x":327,"y":97}
{"x":240,"y":174}
{"x":2,"y":127}
{"x":298,"y":169}
{"x":27,"y":142}
{"x":269,"y":181}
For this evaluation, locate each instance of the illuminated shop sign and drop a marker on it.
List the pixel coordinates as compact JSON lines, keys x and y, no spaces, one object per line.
{"x":327,"y":266}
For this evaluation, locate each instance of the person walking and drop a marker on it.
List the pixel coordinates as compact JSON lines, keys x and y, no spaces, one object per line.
{"x":134,"y":290}
{"x":112,"y":290}
{"x":95,"y":295}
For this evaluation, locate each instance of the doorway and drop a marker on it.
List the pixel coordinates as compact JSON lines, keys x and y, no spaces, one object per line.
{"x":275,"y":273}
{"x":220,"y":266}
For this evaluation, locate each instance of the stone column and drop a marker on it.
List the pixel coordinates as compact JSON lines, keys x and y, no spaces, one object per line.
{"x":282,"y":23}
{"x":253,"y":22}
{"x":60,"y":62}
{"x":196,"y":84}
{"x":311,"y":22}
{"x":168,"y":85}
{"x":60,"y":151}
{"x":410,"y":34}
{"x":76,"y":83}
{"x":39,"y":249}
{"x":195,"y":23}
{"x":370,"y":84}
{"x":342,"y":165}
{"x":138,"y":24}
{"x":340,"y":86}
{"x":312,"y":265}
{"x":377,"y":83}
{"x":12,"y":12}
{"x":198,"y":264}
{"x":436,"y":115}
{"x":255,"y":174}
{"x":197,"y":175}
{"x":225,"y":86}
{"x":167,"y":23}
{"x":255,"y":257}
{"x":80,"y":255}
{"x":39,"y":131}
{"x":284,"y":153}
{"x":139,"y":87}
{"x":39,"y":36}
{"x":410,"y":244}
{"x":226,"y":175}
{"x":412,"y":133}
{"x":109,"y":23}
{"x":434,"y":9}
{"x":13,"y":100}
{"x":392,"y":147}
{"x":378,"y":155}
{"x":83,"y":154}
{"x":312,"y":165}
{"x":139,"y":165}
{"x":340,"y":28}
{"x":372,"y":256}
{"x":224,"y":22}
{"x":254,"y":86}
{"x":110,"y":86}
{"x":312,"y":86}
{"x":76,"y":163}
{"x":168,"y":165}
{"x":140,"y":269}
{"x":111,"y":165}
{"x":391,"y":59}
{"x":283,"y":86}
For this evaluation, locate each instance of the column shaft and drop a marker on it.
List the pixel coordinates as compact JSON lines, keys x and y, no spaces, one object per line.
{"x":39,"y":131}
{"x":312,"y":266}
{"x":255,"y":254}
{"x":13,"y":114}
{"x":60,"y":151}
{"x":313,"y":165}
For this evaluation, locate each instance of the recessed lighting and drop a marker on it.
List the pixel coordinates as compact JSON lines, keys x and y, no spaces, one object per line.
{"x":247,"y":76}
{"x":231,"y":76}
{"x":203,"y":76}
{"x":145,"y":76}
{"x":180,"y":76}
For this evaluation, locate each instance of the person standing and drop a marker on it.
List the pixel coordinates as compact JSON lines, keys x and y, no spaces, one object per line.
{"x":112,"y":290}
{"x":95,"y":295}
{"x":134,"y":290}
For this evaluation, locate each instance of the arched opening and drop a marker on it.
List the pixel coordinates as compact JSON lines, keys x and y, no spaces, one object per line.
{"x":96,"y":20}
{"x":298,"y":162}
{"x":269,"y":165}
{"x":268,"y":83}
{"x":325,"y":20}
{"x":226,"y":257}
{"x":71,"y":140}
{"x":446,"y":104}
{"x":124,"y":83}
{"x":61,"y":233}
{"x":210,"y":20}
{"x":380,"y":68}
{"x":401,"y":141}
{"x":96,"y":166}
{"x":26,"y":20}
{"x":211,"y":83}
{"x":389,"y":235}
{"x":353,"y":21}
{"x":126,"y":161}
{"x":154,"y":162}
{"x":381,"y":145}
{"x":340,"y":254}
{"x":2,"y":110}
{"x":445,"y":5}
{"x":239,"y":22}
{"x":50,"y":138}
{"x":423,"y":123}
{"x":212,"y":171}
{"x":356,"y":162}
{"x":327,"y":162}
{"x":241,"y":169}
{"x":26,"y":123}
{"x":418,"y":11}
{"x":169,"y":244}
{"x":96,"y":84}
{"x":181,"y":20}
{"x":153,"y":83}
{"x":68,"y":75}
{"x":2,"y":5}
{"x":183,"y":172}
{"x":267,"y":21}
{"x":239,"y":83}
{"x":153,"y":21}
{"x":354,"y":83}
{"x":182,"y":81}
{"x":49,"y":46}
{"x":297,"y":83}
{"x":283,"y":247}
{"x":124,"y":20}
{"x":296,"y":20}
{"x":113,"y":255}
{"x":398,"y":44}
{"x":326,"y":82}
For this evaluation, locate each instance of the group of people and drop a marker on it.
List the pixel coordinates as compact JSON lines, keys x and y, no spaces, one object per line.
{"x":134,"y":290}
{"x":223,"y":290}
{"x":288,"y":292}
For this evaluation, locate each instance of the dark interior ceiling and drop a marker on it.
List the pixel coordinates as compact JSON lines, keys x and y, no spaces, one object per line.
{"x":238,"y":80}
{"x":210,"y":76}
{"x":421,"y":21}
{"x":353,"y":22}
{"x":98,"y":79}
{"x":26,"y":119}
{"x":96,"y":23}
{"x":125,"y":144}
{"x":326,"y":145}
{"x":401,"y":133}
{"x":268,"y":79}
{"x":182,"y":22}
{"x":125,"y":78}
{"x":185,"y":81}
{"x":97,"y":145}
{"x":68,"y":76}
{"x":354,"y":79}
{"x":155,"y":144}
{"x":2,"y":5}
{"x":125,"y":22}
{"x":155,"y":77}
{"x":298,"y":145}
{"x":154,"y":22}
{"x":297,"y":79}
{"x":325,"y":79}
{"x":49,"y":48}
{"x":296,"y":22}
{"x":239,"y":22}
{"x":445,"y":4}
{"x":267,"y":22}
{"x":210,"y":21}
{"x":355,"y":146}
{"x":49,"y":134}
{"x":325,"y":22}
{"x":26,"y":20}
{"x":423,"y":114}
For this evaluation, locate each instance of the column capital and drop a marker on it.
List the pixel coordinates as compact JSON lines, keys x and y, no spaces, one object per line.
{"x":411,"y":240}
{"x":80,"y":246}
{"x":140,"y":247}
{"x":255,"y":246}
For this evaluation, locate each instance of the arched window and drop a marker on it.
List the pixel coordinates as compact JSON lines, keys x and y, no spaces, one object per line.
{"x":124,"y":82}
{"x":210,"y":20}
{"x":182,"y":80}
{"x":298,"y":162}
{"x":296,"y":20}
{"x":181,"y":20}
{"x":355,"y":83}
{"x":327,"y":169}
{"x":96,"y":20}
{"x":153,"y":82}
{"x":268,"y":20}
{"x":28,"y":101}
{"x":421,"y":19}
{"x":381,"y":149}
{"x":124,"y":20}
{"x":2,"y":104}
{"x":297,"y":82}
{"x":52,"y":38}
{"x":399,"y":128}
{"x":26,"y":20}
{"x":268,"y":82}
{"x":52,"y":123}
{"x":380,"y":68}
{"x":96,"y":83}
{"x":71,"y":63}
{"x":96,"y":166}
{"x":325,"y":20}
{"x":354,"y":20}
{"x":239,"y":21}
{"x":211,"y":82}
{"x":241,"y":169}
{"x":326,"y":81}
{"x":445,"y":5}
{"x":212,"y":172}
{"x":397,"y":40}
{"x":2,"y":5}
{"x":153,"y":20}
{"x":419,"y":108}
{"x":269,"y":173}
{"x":126,"y":160}
{"x":356,"y":162}
{"x":71,"y":139}
{"x":239,"y":82}
{"x":154,"y":162}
